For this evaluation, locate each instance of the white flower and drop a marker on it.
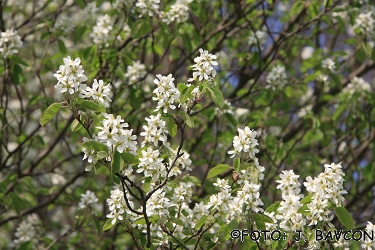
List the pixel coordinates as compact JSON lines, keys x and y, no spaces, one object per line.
{"x":307,"y":52}
{"x":28,"y":230}
{"x":64,"y":23}
{"x":135,"y":72}
{"x":245,"y":141}
{"x":147,"y":7}
{"x":259,"y":36}
{"x":329,"y":64}
{"x":70,"y":76}
{"x":277,"y":77}
{"x":204,"y":67}
{"x":179,"y":12}
{"x":10,"y":42}
{"x":155,"y":130}
{"x":87,"y":200}
{"x":365,"y":23}
{"x":357,"y":84}
{"x":98,"y":92}
{"x":101,"y":32}
{"x":166,"y":93}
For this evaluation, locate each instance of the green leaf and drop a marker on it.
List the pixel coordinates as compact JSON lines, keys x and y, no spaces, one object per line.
{"x":62,"y":47}
{"x":94,"y":145}
{"x":101,"y":155}
{"x":304,"y":210}
{"x":263,"y":217}
{"x":17,"y":202}
{"x":187,"y":43}
{"x":201,"y":222}
{"x":344,"y":217}
{"x":361,"y":54}
{"x":49,"y":113}
{"x":189,"y":121}
{"x":108,"y":225}
{"x":140,"y":28}
{"x":92,"y":105}
{"x":259,"y":222}
{"x":192,"y":179}
{"x":17,"y":75}
{"x":216,"y":96}
{"x":116,"y":179}
{"x":97,"y":226}
{"x":75,"y":125}
{"x":81,"y":3}
{"x":171,"y":126}
{"x":141,"y":221}
{"x":186,"y":94}
{"x":237,"y":165}
{"x":129,"y":158}
{"x":273,"y":207}
{"x":307,"y":199}
{"x":116,"y":164}
{"x":177,"y":221}
{"x":79,"y":31}
{"x":218,"y":170}
{"x":181,"y":87}
{"x":373,"y":54}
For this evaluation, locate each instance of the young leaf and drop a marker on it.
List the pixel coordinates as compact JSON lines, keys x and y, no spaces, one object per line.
{"x":186,"y":93}
{"x":49,"y":113}
{"x":108,"y":225}
{"x":171,"y":126}
{"x":192,"y":179}
{"x":129,"y":158}
{"x":187,"y":119}
{"x":94,"y":145}
{"x":344,"y":217}
{"x":62,"y":47}
{"x":218,"y":170}
{"x":216,"y":96}
{"x":75,"y":125}
{"x":236,"y":165}
{"x":116,"y":165}
{"x":92,"y":106}
{"x":201,"y":222}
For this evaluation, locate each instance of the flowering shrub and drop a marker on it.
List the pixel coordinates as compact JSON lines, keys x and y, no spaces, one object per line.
{"x":187,"y":125}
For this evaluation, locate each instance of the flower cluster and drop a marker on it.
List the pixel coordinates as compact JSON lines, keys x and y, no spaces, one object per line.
{"x":151,"y":165}
{"x":118,"y":207}
{"x":155,"y":130}
{"x":28,"y":230}
{"x":181,"y":163}
{"x":148,"y":7}
{"x":204,"y":67}
{"x":368,"y":243}
{"x":307,"y":52}
{"x":166,"y":93}
{"x":98,"y":92}
{"x":101,"y":32}
{"x":179,"y":12}
{"x":290,"y":219}
{"x":64,"y":24}
{"x":135,"y":72}
{"x":259,"y":36}
{"x":277,"y":77}
{"x":326,"y":189}
{"x":246,"y":142}
{"x":10,"y":42}
{"x":365,"y":23}
{"x":70,"y":76}
{"x":329,"y":64}
{"x":357,"y":84}
{"x":114,"y":136}
{"x":87,"y":200}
